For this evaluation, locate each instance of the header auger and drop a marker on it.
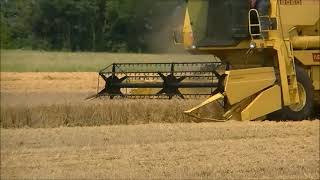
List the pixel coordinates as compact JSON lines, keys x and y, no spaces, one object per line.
{"x":273,"y":47}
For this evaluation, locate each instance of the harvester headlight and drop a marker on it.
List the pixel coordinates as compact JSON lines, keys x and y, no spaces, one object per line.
{"x":252,"y":45}
{"x":193,"y":47}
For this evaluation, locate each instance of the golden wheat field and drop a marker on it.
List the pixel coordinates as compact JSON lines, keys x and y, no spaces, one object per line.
{"x":49,"y":131}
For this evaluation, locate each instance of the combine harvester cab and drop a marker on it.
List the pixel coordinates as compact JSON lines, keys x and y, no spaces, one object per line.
{"x":270,"y":51}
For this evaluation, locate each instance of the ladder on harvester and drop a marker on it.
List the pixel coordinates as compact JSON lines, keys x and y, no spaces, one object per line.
{"x":285,"y":55}
{"x":255,"y":27}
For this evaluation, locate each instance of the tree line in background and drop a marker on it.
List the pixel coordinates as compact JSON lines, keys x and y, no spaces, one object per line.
{"x":86,"y":25}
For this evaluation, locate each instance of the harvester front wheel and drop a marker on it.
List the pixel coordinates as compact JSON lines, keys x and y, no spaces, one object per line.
{"x":303,"y":109}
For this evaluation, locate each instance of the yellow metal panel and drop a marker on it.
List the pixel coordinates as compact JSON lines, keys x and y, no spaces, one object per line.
{"x":309,"y":30}
{"x":315,"y":75}
{"x":291,"y":14}
{"x":287,"y":70}
{"x":187,"y":31}
{"x":305,"y":14}
{"x":208,"y":101}
{"x":266,"y":102}
{"x":243,"y":83}
{"x":308,"y":57}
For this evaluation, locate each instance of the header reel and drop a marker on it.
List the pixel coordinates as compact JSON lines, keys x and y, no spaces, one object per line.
{"x":160,"y":80}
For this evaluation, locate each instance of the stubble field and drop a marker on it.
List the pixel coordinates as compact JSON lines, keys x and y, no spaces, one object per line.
{"x":233,"y":150}
{"x":49,"y":131}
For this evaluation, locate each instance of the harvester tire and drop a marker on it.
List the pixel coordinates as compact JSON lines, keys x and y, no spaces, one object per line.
{"x":301,"y":111}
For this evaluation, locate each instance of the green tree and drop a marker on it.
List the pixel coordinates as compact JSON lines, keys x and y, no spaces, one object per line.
{"x":83,"y":25}
{"x":15,"y":26}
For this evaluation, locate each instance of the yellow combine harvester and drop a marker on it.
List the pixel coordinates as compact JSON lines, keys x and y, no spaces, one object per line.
{"x":270,"y":50}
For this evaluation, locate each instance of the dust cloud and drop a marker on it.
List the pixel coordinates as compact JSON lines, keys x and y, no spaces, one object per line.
{"x":160,"y":38}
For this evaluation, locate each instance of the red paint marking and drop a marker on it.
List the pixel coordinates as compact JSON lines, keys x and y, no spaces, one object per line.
{"x":316,"y":57}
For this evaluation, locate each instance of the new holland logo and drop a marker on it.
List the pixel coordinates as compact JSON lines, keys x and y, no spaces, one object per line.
{"x":291,"y":2}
